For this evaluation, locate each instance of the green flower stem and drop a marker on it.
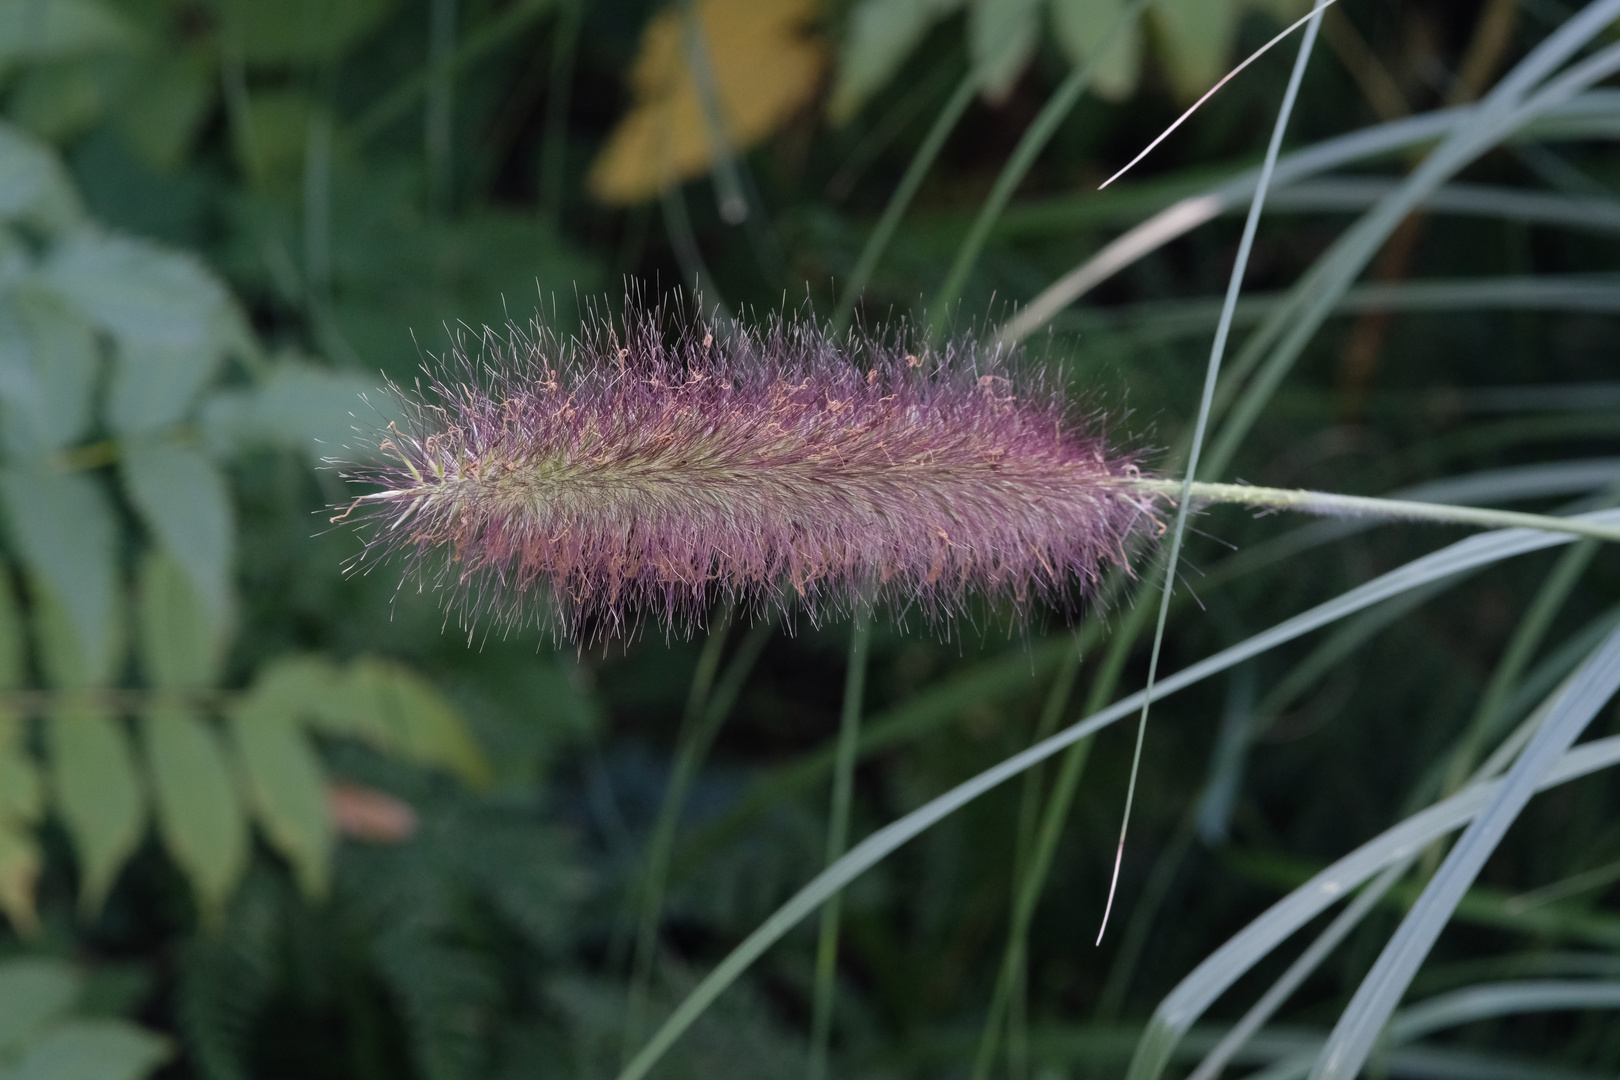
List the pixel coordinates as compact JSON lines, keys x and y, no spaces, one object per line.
{"x":1321,"y":502}
{"x":1029,"y":147}
{"x":471,"y":47}
{"x":707,"y":706}
{"x":900,"y":201}
{"x":849,"y":738}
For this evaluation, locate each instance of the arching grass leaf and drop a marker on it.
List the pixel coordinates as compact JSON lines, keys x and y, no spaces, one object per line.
{"x":33,"y":993}
{"x":97,"y":792}
{"x":48,"y":363}
{"x":86,"y":1049}
{"x":199,"y":815}
{"x":185,"y":503}
{"x":286,"y":783}
{"x":64,"y":531}
{"x":1568,"y":715}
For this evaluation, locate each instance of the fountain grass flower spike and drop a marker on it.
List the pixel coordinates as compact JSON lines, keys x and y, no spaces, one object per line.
{"x":631,"y":473}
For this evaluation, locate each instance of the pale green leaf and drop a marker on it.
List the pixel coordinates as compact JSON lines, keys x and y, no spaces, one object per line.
{"x":299,"y":31}
{"x":420,"y":723}
{"x":168,"y":104}
{"x":92,"y":1050}
{"x":1196,"y":36}
{"x":97,"y":792}
{"x":33,"y":30}
{"x":287,"y":785}
{"x":20,"y":862}
{"x":65,"y":532}
{"x":881,"y":35}
{"x":48,"y":363}
{"x":171,"y":319}
{"x":185,"y":502}
{"x":33,"y":992}
{"x":310,"y":409}
{"x":199,"y":816}
{"x":59,"y":100}
{"x":1081,"y":26}
{"x":34,"y":187}
{"x":13,"y":643}
{"x":1002,"y":35}
{"x":20,"y":797}
{"x":182,"y":643}
{"x":306,"y":687}
{"x":274,"y":156}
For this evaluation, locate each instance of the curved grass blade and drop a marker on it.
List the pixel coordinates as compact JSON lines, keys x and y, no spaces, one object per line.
{"x":1211,"y":376}
{"x":1590,"y":114}
{"x":849,"y":737}
{"x":1375,"y":999}
{"x":1458,"y":557}
{"x":1228,"y":77}
{"x":1472,"y":1004}
{"x":1194,"y":994}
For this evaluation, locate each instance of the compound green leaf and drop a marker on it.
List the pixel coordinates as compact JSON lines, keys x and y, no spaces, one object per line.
{"x":307,"y":687}
{"x":1081,"y":27}
{"x":880,"y":36}
{"x":419,"y":722}
{"x":181,"y":641}
{"x":171,"y":319}
{"x":185,"y":503}
{"x":97,"y":792}
{"x":64,"y":531}
{"x":92,"y":1050}
{"x":1002,"y":35}
{"x":199,"y":815}
{"x":48,"y":363}
{"x":287,"y":785}
{"x":34,"y":187}
{"x":33,"y":992}
{"x":34,"y":30}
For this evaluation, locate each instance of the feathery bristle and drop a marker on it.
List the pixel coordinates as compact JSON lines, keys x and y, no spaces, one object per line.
{"x":625,"y":475}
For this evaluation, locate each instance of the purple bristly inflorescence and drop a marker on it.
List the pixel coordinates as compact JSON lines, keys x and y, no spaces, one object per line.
{"x":629,"y":473}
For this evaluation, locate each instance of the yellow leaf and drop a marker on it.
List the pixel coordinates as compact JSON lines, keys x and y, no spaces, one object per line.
{"x":765,"y":66}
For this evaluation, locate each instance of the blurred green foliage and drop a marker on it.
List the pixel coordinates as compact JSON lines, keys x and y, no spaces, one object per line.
{"x":302,"y":826}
